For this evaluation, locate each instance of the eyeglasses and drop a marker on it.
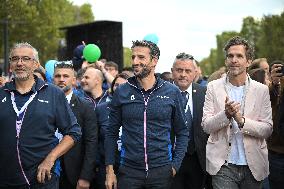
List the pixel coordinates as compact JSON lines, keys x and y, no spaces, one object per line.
{"x":64,"y":64}
{"x":25,"y":59}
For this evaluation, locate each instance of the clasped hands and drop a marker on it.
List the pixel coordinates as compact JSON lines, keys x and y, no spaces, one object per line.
{"x":232,"y":110}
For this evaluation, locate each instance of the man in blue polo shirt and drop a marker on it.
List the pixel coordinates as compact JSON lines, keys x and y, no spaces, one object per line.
{"x":33,"y":110}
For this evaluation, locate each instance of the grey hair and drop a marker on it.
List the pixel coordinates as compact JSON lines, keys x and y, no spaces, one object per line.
{"x":24,"y":45}
{"x":184,"y":56}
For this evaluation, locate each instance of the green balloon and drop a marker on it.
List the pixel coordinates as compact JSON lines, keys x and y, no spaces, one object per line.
{"x":91,"y":53}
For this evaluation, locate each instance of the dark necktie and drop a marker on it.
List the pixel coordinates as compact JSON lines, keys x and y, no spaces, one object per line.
{"x":184,"y":99}
{"x":188,"y":115}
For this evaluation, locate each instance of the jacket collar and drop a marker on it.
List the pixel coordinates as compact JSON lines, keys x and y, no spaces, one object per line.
{"x":134,"y":82}
{"x":39,"y":84}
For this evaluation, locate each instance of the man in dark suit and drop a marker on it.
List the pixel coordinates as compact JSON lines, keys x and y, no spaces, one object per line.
{"x":78,"y":164}
{"x":192,"y":173}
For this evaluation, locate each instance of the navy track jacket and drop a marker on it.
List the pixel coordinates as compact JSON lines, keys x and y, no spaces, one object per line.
{"x":48,"y":111}
{"x":146,"y":126}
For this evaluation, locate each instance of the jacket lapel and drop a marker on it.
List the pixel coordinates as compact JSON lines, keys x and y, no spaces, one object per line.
{"x":250,"y":99}
{"x":194,"y":102}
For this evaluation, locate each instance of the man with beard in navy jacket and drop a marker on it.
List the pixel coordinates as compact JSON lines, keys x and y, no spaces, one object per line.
{"x":147,"y":108}
{"x":31,"y":111}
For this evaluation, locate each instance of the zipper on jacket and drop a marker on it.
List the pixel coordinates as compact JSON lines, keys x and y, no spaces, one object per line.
{"x":145,"y":134}
{"x":145,"y":124}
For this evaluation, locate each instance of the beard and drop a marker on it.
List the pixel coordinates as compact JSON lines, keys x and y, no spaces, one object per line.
{"x":145,"y":72}
{"x":236,"y":72}
{"x":22,"y":76}
{"x":65,"y":89}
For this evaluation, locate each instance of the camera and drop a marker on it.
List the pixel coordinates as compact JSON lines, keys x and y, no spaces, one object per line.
{"x":281,"y":71}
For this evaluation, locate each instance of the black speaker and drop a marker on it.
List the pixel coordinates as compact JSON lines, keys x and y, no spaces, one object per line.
{"x":107,"y":35}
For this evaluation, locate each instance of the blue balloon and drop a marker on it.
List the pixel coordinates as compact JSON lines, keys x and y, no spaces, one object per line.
{"x":49,"y":70}
{"x":152,"y":37}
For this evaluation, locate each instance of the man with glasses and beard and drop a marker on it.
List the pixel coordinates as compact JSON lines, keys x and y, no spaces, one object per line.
{"x":31,"y":111}
{"x":78,"y":164}
{"x":147,"y":108}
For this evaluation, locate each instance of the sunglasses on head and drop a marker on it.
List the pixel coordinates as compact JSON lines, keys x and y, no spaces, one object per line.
{"x":64,"y":64}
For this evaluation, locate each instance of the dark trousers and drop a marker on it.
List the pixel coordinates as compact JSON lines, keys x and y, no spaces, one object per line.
{"x":276,"y":169}
{"x":191,"y":175}
{"x":235,"y":177}
{"x":156,"y":178}
{"x":100,"y":177}
{"x":53,"y":183}
{"x":64,"y":182}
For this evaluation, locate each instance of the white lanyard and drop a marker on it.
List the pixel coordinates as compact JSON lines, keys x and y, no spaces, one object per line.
{"x":19,"y":122}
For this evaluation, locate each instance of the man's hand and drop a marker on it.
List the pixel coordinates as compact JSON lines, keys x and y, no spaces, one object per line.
{"x":83,"y":184}
{"x":231,"y":108}
{"x":2,"y":81}
{"x":174,"y":172}
{"x":44,"y":169}
{"x":100,"y":65}
{"x":110,"y":178}
{"x":275,"y":76}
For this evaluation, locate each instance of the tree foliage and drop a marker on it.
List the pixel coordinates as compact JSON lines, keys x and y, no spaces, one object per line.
{"x":271,"y":41}
{"x":126,"y":57}
{"x":38,"y":22}
{"x":266,"y":34}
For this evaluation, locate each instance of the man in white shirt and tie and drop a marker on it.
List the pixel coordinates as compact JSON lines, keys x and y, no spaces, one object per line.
{"x":192,"y":173}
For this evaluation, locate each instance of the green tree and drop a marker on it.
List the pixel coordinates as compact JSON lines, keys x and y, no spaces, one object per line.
{"x":271,"y":41}
{"x":38,"y":22}
{"x":126,"y":57}
{"x":251,"y":30}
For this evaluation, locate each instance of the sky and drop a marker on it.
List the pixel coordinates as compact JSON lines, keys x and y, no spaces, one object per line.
{"x":187,"y":26}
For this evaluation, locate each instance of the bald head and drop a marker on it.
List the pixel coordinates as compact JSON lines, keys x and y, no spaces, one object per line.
{"x":92,"y":79}
{"x":96,"y":72}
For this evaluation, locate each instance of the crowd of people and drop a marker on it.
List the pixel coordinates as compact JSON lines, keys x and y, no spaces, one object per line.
{"x":94,"y":127}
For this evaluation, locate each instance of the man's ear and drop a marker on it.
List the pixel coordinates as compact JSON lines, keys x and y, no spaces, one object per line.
{"x":154,"y":61}
{"x":249,"y":62}
{"x":74,"y":83}
{"x":36,"y":65}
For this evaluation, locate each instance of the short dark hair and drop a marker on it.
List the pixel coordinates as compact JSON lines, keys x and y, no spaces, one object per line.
{"x":237,"y":40}
{"x":121,"y":75}
{"x":258,"y":75}
{"x":256,"y":63}
{"x":112,"y":64}
{"x":154,"y":49}
{"x":40,"y":71}
{"x":167,"y":76}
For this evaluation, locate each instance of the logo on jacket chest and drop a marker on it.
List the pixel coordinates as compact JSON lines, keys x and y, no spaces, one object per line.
{"x":4,"y":99}
{"x":162,"y":97}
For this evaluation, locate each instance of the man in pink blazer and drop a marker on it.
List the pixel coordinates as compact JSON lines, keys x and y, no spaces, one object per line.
{"x":237,"y":115}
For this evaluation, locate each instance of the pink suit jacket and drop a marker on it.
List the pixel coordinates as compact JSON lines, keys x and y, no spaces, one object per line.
{"x":257,"y":127}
